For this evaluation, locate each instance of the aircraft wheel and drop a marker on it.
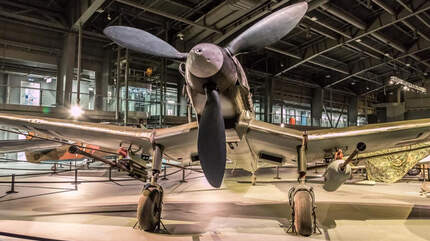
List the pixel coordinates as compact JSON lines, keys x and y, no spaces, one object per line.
{"x":303,"y":213}
{"x":149,"y":209}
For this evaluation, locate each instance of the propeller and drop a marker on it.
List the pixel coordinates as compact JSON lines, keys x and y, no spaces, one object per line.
{"x":211,"y":139}
{"x":269,"y":30}
{"x":142,"y":41}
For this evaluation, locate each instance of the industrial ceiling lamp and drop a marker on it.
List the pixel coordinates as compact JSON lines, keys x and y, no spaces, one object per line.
{"x":394,"y":80}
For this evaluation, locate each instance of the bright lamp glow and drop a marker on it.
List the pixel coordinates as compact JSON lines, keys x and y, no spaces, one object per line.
{"x":76,"y":111}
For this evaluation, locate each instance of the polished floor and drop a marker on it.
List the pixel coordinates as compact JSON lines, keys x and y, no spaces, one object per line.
{"x":195,"y":211}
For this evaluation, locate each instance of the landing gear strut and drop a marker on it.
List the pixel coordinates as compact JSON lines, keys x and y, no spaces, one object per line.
{"x":302,"y":199}
{"x":151,"y":200}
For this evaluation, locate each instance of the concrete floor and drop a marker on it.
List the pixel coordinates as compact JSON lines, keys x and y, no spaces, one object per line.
{"x":195,"y":211}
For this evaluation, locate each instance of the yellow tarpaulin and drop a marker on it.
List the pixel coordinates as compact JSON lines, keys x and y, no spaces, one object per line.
{"x":392,"y":164}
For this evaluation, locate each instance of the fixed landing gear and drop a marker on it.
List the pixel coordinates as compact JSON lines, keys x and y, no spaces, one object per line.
{"x":150,"y":202}
{"x":302,"y":199}
{"x":302,"y":202}
{"x":149,"y":208}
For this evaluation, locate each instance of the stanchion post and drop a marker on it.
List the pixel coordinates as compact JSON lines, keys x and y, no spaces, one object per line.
{"x":183,"y":175}
{"x":164,"y":173}
{"x":12,"y":185}
{"x":76,"y":179}
{"x":428,"y":174}
{"x":277,"y":173}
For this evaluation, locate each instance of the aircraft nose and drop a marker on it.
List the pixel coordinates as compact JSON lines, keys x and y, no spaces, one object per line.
{"x":205,"y":60}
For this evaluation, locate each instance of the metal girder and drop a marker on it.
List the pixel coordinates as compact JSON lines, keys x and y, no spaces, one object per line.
{"x":32,"y":20}
{"x":389,"y":56}
{"x":382,"y":21}
{"x":167,"y":15}
{"x":415,"y":30}
{"x":369,"y":64}
{"x":339,"y":69}
{"x":385,"y":6}
{"x":286,"y":53}
{"x":96,"y":4}
{"x":27,"y":46}
{"x":423,"y":21}
{"x":407,"y":24}
{"x":336,"y":30}
{"x":344,"y":15}
{"x":298,"y":82}
{"x":392,"y":43}
{"x":407,"y":7}
{"x":235,"y":28}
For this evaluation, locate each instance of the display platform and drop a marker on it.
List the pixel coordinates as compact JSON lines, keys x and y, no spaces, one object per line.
{"x":195,"y":211}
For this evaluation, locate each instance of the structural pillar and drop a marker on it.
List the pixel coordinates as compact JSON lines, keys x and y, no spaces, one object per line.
{"x":66,"y":71}
{"x":268,"y":105}
{"x":181,"y":100}
{"x":353,"y":111}
{"x":126,"y":88}
{"x":4,"y":79}
{"x":102,"y":80}
{"x":317,"y":106}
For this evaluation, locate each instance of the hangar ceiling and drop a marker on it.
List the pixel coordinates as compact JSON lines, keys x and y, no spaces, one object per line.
{"x":349,"y":46}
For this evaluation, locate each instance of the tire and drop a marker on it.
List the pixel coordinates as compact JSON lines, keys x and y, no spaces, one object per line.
{"x":149,"y":209}
{"x":303,"y":213}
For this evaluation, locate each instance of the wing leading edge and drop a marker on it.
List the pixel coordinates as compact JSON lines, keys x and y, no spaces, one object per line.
{"x":177,"y":140}
{"x":375,"y":136}
{"x":181,"y":141}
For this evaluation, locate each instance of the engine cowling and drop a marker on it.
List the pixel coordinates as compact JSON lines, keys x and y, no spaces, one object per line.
{"x":334,"y":176}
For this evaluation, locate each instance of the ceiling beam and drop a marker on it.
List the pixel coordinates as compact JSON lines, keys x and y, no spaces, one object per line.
{"x":407,"y":24}
{"x":252,"y":18}
{"x":404,"y":5}
{"x":96,"y":4}
{"x":344,"y":15}
{"x":369,"y":64}
{"x":55,"y":25}
{"x":168,"y":15}
{"x":382,"y":21}
{"x":385,"y":6}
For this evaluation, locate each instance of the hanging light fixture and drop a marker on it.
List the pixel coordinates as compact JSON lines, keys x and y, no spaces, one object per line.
{"x":407,"y":85}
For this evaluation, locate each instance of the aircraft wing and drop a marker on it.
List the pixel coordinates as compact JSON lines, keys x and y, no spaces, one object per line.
{"x":7,"y":146}
{"x":179,"y":141}
{"x":272,"y":140}
{"x":283,"y":141}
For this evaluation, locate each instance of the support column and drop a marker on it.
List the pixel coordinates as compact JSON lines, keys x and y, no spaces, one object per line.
{"x":118,"y":83}
{"x":66,"y":74}
{"x":102,"y":80}
{"x":317,"y":106}
{"x":126,"y":88}
{"x":181,"y":100}
{"x":353,"y":111}
{"x":4,"y":79}
{"x":268,"y":105}
{"x":282,"y":113}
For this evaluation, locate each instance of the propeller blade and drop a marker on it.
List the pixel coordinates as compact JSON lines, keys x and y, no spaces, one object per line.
{"x":142,"y":41}
{"x":269,"y":30}
{"x":211,"y":139}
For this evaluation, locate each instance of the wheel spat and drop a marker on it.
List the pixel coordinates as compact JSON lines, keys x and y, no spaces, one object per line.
{"x":211,"y":139}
